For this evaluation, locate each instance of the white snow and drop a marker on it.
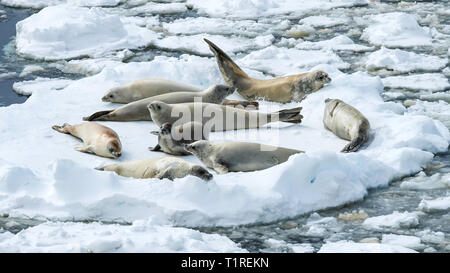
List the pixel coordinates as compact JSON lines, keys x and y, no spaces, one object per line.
{"x":66,"y":32}
{"x":404,"y":61}
{"x":39,"y":4}
{"x":323,"y":21}
{"x":439,"y":204}
{"x":396,"y":29}
{"x":439,"y":110}
{"x":262,"y":8}
{"x":338,"y":43}
{"x":395,"y":220}
{"x":423,"y":182}
{"x":411,"y":242}
{"x":28,"y":87}
{"x":247,"y":28}
{"x":196,"y":44}
{"x":289,"y":60}
{"x":141,"y":236}
{"x":352,"y":247}
{"x":274,"y":245}
{"x":322,"y":177}
{"x":29,"y":69}
{"x":418,"y":82}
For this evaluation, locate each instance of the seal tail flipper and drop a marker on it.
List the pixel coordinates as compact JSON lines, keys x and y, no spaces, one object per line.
{"x":289,"y":115}
{"x":231,"y":72}
{"x":101,"y":168}
{"x":62,"y":129}
{"x":155,"y":149}
{"x":97,"y":115}
{"x":355,"y":144}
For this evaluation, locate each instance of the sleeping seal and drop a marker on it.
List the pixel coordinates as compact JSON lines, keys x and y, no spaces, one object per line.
{"x":162,"y":167}
{"x":172,"y":140}
{"x":346,"y":122}
{"x":216,"y":117}
{"x":97,"y":139}
{"x":284,"y":89}
{"x":239,"y":156}
{"x":145,"y":88}
{"x":137,"y":111}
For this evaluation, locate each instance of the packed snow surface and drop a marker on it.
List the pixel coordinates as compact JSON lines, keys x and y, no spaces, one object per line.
{"x":403,"y":61}
{"x":46,"y":178}
{"x":67,"y":31}
{"x":395,"y":220}
{"x":396,"y":29}
{"x":419,"y":82}
{"x":352,"y":247}
{"x":141,"y":236}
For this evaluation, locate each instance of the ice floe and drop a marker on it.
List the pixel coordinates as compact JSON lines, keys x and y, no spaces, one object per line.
{"x":195,"y":44}
{"x":289,"y":60}
{"x":66,"y":32}
{"x":258,"y":8}
{"x":396,"y":29}
{"x":274,"y":245}
{"x":323,"y":21}
{"x":29,"y":69}
{"x":320,"y":178}
{"x":403,"y":61}
{"x":39,"y":4}
{"x":28,"y":87}
{"x":411,"y":242}
{"x":352,"y":247}
{"x":439,"y":204}
{"x":338,"y":43}
{"x":432,"y":82}
{"x":247,"y":28}
{"x":395,"y":220}
{"x":424,"y":182}
{"x":140,"y":236}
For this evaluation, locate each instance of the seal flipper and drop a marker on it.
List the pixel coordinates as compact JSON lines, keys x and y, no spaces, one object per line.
{"x":220,"y":168}
{"x":155,"y":149}
{"x":85,"y":149}
{"x":290,"y":115}
{"x":98,"y":115}
{"x":231,"y":72}
{"x":355,"y":144}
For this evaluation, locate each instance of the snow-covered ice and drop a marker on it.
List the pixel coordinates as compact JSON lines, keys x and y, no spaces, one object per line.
{"x":395,"y":220}
{"x":66,"y":32}
{"x":29,"y":69}
{"x":404,"y":61}
{"x":411,"y":242}
{"x":439,"y":204}
{"x":320,"y":178}
{"x":352,"y":247}
{"x":261,"y":8}
{"x":323,"y":21}
{"x":396,"y":29}
{"x":289,"y":60}
{"x":140,"y":236}
{"x":338,"y":43}
{"x":424,"y":182}
{"x":418,"y":82}
{"x":28,"y":87}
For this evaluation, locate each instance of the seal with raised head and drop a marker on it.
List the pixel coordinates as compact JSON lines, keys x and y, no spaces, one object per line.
{"x":137,"y":110}
{"x":283,"y":89}
{"x":346,"y":122}
{"x":145,"y":88}
{"x":216,"y":117}
{"x":172,"y":140}
{"x":161,"y":167}
{"x":239,"y":156}
{"x":98,"y":139}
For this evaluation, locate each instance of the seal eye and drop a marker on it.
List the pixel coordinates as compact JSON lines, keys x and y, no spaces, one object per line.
{"x":111,"y":96}
{"x":158,"y":107}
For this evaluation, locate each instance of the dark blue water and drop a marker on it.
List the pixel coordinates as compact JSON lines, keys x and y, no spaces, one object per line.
{"x":7,"y":33}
